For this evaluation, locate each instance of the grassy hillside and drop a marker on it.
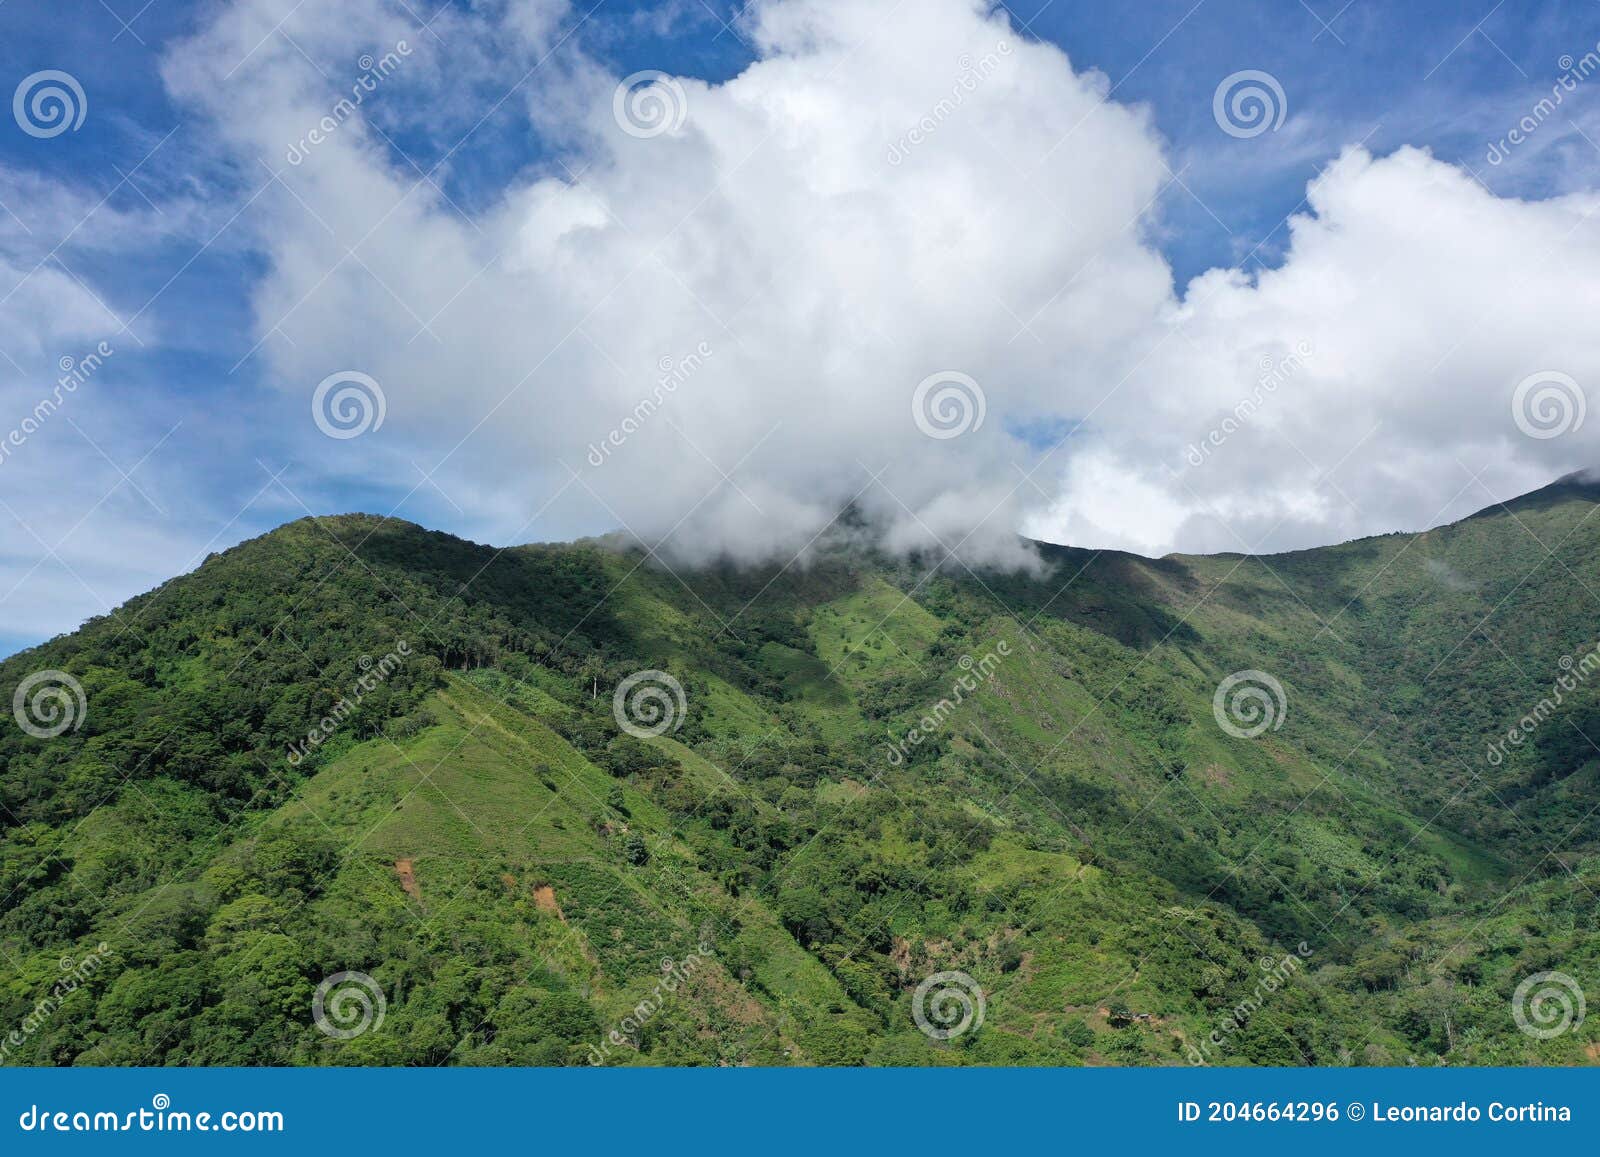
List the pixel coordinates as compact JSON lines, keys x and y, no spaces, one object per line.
{"x":354,"y":746}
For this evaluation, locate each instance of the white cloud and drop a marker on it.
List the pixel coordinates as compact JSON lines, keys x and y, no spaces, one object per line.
{"x":1420,"y":301}
{"x":738,"y":310}
{"x":875,"y":200}
{"x":772,"y":229}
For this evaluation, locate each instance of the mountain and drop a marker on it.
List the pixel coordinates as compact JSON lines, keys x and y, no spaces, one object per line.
{"x":356,"y":792}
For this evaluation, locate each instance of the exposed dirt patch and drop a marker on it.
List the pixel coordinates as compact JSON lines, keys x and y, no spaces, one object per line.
{"x":544,"y":898}
{"x":408,"y":879}
{"x":730,"y":998}
{"x":900,"y":955}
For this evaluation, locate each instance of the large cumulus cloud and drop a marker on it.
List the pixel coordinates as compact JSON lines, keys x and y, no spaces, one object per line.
{"x":880,"y":197}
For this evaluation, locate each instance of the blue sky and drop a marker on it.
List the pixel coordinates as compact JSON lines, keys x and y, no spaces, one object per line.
{"x":187,"y":440}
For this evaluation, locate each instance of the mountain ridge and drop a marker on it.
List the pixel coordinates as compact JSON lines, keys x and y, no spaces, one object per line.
{"x":1581,"y":484}
{"x":1089,"y":832}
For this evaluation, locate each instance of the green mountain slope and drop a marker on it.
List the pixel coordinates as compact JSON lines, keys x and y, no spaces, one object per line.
{"x":354,"y":746}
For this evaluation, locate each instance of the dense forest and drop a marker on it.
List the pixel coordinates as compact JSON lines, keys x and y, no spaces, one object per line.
{"x":360,"y":793}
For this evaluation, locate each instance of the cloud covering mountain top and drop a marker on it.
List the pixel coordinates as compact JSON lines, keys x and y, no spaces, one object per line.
{"x":909,"y":266}
{"x":727,"y":310}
